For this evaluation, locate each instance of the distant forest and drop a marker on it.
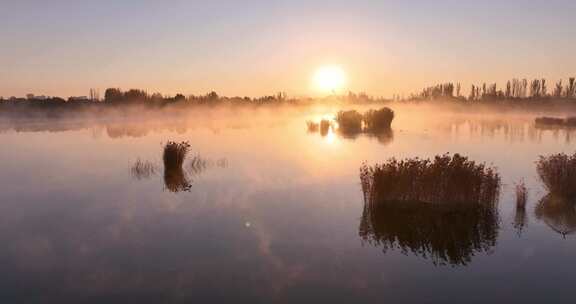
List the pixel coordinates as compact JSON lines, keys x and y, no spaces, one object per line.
{"x":516,"y":90}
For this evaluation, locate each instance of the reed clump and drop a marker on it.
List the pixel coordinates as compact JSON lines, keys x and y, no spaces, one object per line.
{"x":521,"y":195}
{"x":520,"y":217}
{"x":352,"y":122}
{"x":558,"y":174}
{"x":443,"y":208}
{"x":313,"y":127}
{"x":143,"y":169}
{"x":175,"y":153}
{"x":325,"y":127}
{"x":349,"y":122}
{"x":445,"y":179}
{"x":378,"y":120}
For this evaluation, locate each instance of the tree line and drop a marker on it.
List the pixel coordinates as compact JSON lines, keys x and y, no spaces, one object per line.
{"x":514,"y":89}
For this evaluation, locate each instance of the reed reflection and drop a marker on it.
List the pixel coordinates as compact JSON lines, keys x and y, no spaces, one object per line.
{"x":143,"y":169}
{"x":520,"y":217}
{"x":443,"y":210}
{"x":558,"y":213}
{"x":558,"y":208}
{"x":510,"y":129}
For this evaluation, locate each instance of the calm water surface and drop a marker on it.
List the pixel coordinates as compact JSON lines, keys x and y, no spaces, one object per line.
{"x":272,"y":215}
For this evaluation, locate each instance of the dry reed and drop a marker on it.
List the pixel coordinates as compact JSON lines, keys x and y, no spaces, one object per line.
{"x":378,"y":120}
{"x":521,"y":195}
{"x":558,"y":174}
{"x":444,"y":208}
{"x":143,"y":169}
{"x":312,"y":126}
{"x":446,"y":179}
{"x":175,"y":153}
{"x":349,"y":122}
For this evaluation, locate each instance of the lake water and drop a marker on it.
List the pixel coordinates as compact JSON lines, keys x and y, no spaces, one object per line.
{"x":272,"y":214}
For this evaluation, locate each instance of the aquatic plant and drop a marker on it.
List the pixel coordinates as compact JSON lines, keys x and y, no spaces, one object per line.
{"x":143,"y":169}
{"x":444,"y":208}
{"x":175,"y":178}
{"x":197,"y":165}
{"x":349,"y":122}
{"x":174,"y":154}
{"x":378,"y":120}
{"x":352,"y":123}
{"x":520,"y":217}
{"x":558,"y":174}
{"x":445,"y":179}
{"x":313,"y":127}
{"x":521,"y":195}
{"x":325,"y":127}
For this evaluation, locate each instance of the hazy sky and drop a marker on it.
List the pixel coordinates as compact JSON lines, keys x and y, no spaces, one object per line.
{"x":257,"y":47}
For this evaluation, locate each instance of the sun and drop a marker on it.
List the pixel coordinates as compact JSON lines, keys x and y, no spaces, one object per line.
{"x":330,"y":79}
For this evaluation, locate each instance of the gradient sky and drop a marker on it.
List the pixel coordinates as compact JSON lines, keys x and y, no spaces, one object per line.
{"x":257,"y":47}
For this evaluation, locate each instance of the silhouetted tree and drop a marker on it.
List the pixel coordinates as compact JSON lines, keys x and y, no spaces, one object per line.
{"x":558,"y":89}
{"x":113,"y":95}
{"x":570,"y":88}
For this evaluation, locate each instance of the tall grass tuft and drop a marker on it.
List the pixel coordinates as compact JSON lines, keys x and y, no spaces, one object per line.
{"x":558,"y":174}
{"x":520,"y":217}
{"x":174,"y":155}
{"x":444,"y":208}
{"x":445,"y":179}
{"x":378,"y":120}
{"x":349,"y":122}
{"x":143,"y":169}
{"x":312,"y":126}
{"x":325,"y":127}
{"x":521,"y":195}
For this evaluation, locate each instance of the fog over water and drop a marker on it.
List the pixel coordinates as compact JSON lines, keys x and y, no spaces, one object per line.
{"x":273,"y":212}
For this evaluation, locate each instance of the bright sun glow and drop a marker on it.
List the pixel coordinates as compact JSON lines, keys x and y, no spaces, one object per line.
{"x":329,"y":79}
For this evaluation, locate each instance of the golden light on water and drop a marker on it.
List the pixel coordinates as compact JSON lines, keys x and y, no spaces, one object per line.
{"x":330,"y":79}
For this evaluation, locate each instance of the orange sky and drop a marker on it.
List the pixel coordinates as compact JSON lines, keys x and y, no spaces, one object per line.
{"x":261,"y":47}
